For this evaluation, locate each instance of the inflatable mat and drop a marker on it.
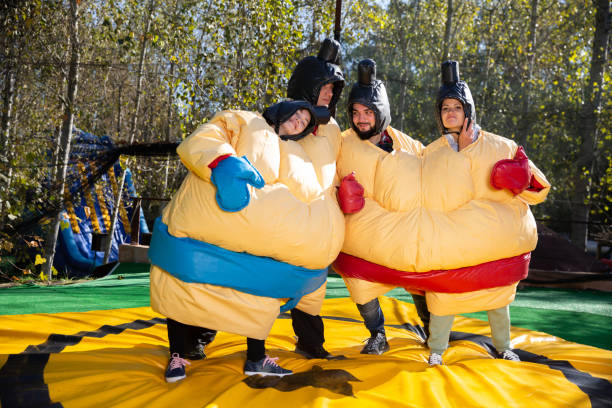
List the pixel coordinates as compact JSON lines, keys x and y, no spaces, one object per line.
{"x":117,"y":358}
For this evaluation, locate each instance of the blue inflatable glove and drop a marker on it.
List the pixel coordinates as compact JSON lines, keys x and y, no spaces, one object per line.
{"x":230,"y":177}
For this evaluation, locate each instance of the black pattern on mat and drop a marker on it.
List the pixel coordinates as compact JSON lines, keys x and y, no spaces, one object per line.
{"x":598,"y":390}
{"x":22,"y":381}
{"x":22,"y":376}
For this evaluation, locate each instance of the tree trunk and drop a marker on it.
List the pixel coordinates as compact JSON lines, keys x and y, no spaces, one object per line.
{"x":119,"y":123}
{"x":10,"y":47}
{"x":338,"y":20}
{"x":143,"y":53}
{"x":168,"y":127}
{"x":7,"y":104}
{"x":587,"y":125}
{"x":447,"y":31}
{"x":66,"y":135}
{"x":5,"y":126}
{"x":11,"y":155}
{"x":525,"y":124}
{"x":313,"y":23}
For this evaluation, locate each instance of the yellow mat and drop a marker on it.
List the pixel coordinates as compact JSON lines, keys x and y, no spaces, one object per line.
{"x":117,"y":358}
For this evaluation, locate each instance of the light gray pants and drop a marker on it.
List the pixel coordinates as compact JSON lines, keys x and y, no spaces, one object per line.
{"x":440,"y":328}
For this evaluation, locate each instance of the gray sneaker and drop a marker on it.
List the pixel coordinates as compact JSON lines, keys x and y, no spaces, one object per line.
{"x":435,"y":359}
{"x":510,"y":355}
{"x":376,"y":344}
{"x":265,"y":366}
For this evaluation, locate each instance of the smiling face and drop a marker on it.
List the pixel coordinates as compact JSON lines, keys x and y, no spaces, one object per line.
{"x":364,"y":118}
{"x":295,"y":124}
{"x":325,"y":95}
{"x":452,"y":114}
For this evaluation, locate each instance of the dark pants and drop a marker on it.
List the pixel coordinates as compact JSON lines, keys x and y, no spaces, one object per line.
{"x":189,"y":341}
{"x":372,"y":316}
{"x":375,"y":320}
{"x":308,"y":329}
{"x":421,"y":307}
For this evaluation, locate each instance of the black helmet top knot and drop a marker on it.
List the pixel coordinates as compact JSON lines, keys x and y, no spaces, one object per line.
{"x":369,"y":92}
{"x":330,"y":52}
{"x":312,"y":73}
{"x":453,"y":87}
{"x":275,"y":115}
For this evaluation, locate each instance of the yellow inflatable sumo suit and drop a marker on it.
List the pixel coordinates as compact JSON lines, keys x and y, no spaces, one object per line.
{"x":470,"y":221}
{"x":293,"y":219}
{"x":433,"y":212}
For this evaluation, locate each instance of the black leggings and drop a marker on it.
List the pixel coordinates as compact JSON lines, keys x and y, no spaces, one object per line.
{"x":189,"y":341}
{"x":308,"y":329}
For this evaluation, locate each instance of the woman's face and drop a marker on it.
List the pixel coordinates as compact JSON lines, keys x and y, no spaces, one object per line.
{"x":452,"y":114}
{"x":295,"y":124}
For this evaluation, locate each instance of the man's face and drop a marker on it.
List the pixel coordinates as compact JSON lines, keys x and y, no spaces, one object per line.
{"x":295,"y":124}
{"x":325,"y":95}
{"x":364,"y":118}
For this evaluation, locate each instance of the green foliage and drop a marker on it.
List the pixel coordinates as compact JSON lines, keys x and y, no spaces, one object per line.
{"x":205,"y":56}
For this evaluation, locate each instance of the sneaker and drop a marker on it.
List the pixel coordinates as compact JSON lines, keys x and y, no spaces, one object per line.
{"x":176,"y":368}
{"x":316,"y":352}
{"x":510,"y":355}
{"x":265,"y":366}
{"x":435,"y":359}
{"x":376,"y":344}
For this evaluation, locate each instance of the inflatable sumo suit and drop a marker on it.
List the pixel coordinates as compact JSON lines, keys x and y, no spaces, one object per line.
{"x":433,"y":222}
{"x":230,"y":270}
{"x":370,"y":163}
{"x":307,"y":79}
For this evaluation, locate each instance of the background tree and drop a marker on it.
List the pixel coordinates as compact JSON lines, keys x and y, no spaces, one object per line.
{"x":587,"y":125}
{"x":538,"y":71}
{"x":63,"y":153}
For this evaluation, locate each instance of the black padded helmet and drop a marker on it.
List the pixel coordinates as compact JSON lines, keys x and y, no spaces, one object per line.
{"x":369,"y":92}
{"x":275,"y":115}
{"x":312,"y":73}
{"x":453,"y":87}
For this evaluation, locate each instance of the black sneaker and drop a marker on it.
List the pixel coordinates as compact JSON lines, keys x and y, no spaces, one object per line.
{"x":265,"y":366}
{"x":376,"y":344}
{"x":316,"y":352}
{"x":176,"y":368}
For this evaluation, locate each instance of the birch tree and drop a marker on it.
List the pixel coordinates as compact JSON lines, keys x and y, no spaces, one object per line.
{"x":66,"y":135}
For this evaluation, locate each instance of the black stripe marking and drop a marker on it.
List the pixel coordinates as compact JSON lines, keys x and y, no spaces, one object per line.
{"x":22,"y":381}
{"x":598,"y":390}
{"x":22,"y":376}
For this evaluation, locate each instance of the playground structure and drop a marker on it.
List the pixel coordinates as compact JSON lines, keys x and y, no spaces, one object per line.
{"x":86,"y":222}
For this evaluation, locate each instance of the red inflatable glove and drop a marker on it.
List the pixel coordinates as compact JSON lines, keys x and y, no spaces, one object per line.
{"x":350,"y":195}
{"x":513,"y":174}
